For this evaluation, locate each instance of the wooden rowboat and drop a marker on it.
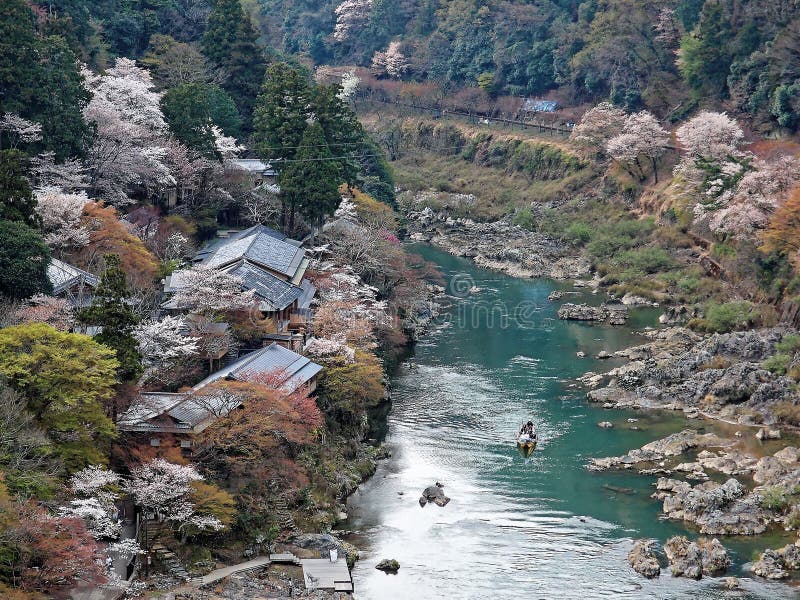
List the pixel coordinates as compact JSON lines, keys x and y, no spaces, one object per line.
{"x":526,"y":446}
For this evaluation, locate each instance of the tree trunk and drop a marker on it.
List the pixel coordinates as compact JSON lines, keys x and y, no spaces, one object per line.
{"x":655,"y":168}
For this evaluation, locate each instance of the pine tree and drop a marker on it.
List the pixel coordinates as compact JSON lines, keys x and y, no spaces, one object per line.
{"x":18,"y":61}
{"x":281,"y":115}
{"x":231,"y":43}
{"x":59,"y":100}
{"x":191,"y":109}
{"x":342,"y":130}
{"x":24,"y":258}
{"x":16,"y":198}
{"x":111,"y":311}
{"x":311,"y":181}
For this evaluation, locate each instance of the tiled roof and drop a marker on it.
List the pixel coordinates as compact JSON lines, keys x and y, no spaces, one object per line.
{"x":259,"y":244}
{"x":290,"y":369}
{"x":276,"y":292}
{"x":273,"y":293}
{"x":63,"y":276}
{"x":161,"y":411}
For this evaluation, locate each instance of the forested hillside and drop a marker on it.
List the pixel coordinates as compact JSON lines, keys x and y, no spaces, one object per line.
{"x":667,"y":55}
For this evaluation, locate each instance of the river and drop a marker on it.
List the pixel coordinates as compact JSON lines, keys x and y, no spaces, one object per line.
{"x":515,"y":528}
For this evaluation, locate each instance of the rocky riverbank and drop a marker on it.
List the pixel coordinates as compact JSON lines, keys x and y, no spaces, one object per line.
{"x":498,"y":245}
{"x":717,"y":484}
{"x":721,"y":376}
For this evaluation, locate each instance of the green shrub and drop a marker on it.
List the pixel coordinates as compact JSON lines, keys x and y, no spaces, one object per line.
{"x":787,"y":412}
{"x":647,"y":260}
{"x":777,"y":363}
{"x":578,"y":233}
{"x":788,"y":345}
{"x":729,"y":316}
{"x":524,"y":218}
{"x":773,"y":498}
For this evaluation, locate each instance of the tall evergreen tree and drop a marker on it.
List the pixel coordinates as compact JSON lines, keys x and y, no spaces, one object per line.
{"x":60,"y":99}
{"x":281,"y":115}
{"x":18,"y":61}
{"x":706,"y":58}
{"x":191,"y":109}
{"x":24,"y":258}
{"x":310,"y":182}
{"x":342,"y":130}
{"x":231,"y":43}
{"x":111,"y":311}
{"x":16,"y":198}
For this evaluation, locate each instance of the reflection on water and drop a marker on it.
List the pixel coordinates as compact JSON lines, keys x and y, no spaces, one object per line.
{"x":515,"y":528}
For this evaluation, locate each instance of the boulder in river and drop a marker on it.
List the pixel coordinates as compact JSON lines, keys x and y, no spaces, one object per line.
{"x":605,"y":424}
{"x":643,"y":559}
{"x":388,"y":565}
{"x":684,"y":557}
{"x":695,"y":559}
{"x":768,"y":434}
{"x":770,"y":566}
{"x":435,"y":494}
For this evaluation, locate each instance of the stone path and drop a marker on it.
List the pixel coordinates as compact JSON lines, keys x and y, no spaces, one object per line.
{"x":250,"y":565}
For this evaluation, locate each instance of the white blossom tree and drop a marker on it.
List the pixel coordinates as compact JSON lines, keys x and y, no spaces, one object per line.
{"x":598,"y":125}
{"x":349,"y":84}
{"x":164,"y":341}
{"x":396,"y":62}
{"x":129,"y":146}
{"x":15,"y":130}
{"x":69,"y":176}
{"x":61,"y":218}
{"x":96,"y":489}
{"x":351,"y":17}
{"x":710,"y":135}
{"x":204,"y":290}
{"x":642,"y":137}
{"x":164,"y":488}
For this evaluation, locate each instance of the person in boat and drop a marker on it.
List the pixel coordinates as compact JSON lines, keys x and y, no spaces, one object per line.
{"x":529,"y":430}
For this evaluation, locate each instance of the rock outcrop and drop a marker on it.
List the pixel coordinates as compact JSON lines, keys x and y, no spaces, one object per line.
{"x":434,"y":494}
{"x":388,"y":565}
{"x":498,"y":245}
{"x":695,"y":559}
{"x":720,"y":375}
{"x":643,"y":560}
{"x":614,"y":314}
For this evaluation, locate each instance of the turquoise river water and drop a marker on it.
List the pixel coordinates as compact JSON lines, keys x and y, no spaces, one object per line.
{"x":515,"y":528}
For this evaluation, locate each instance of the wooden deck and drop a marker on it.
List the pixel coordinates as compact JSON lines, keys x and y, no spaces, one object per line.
{"x":322,"y":574}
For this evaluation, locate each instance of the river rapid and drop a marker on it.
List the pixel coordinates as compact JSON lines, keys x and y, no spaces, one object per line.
{"x":544,"y":527}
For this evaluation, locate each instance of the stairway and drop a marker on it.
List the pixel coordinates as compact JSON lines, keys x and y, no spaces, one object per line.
{"x":284,"y":516}
{"x":281,"y":508}
{"x":170,"y":562}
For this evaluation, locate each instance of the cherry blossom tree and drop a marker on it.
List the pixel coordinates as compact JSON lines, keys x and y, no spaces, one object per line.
{"x":96,"y":489}
{"x":129,"y":146}
{"x":598,"y":125}
{"x":396,"y":62}
{"x":349,"y":85}
{"x":164,"y":341}
{"x":40,"y":308}
{"x":351,"y":17}
{"x":642,"y":137}
{"x":69,"y":176}
{"x":261,"y":204}
{"x":324,"y":349}
{"x":206,"y":290}
{"x":750,"y":206}
{"x":225,"y":145}
{"x":710,"y":135}
{"x":61,"y":215}
{"x":347,"y":210}
{"x":15,"y":130}
{"x":164,"y":488}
